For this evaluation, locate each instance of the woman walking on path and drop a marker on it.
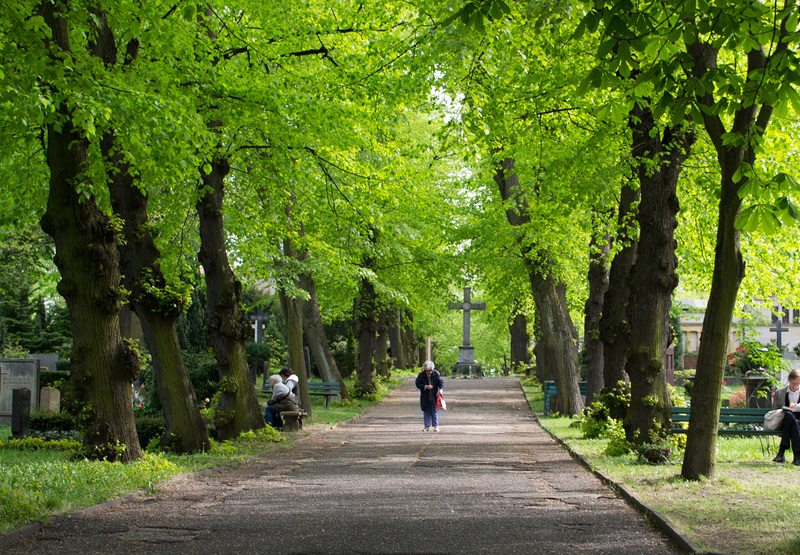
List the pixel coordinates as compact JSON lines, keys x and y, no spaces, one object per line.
{"x":429,"y":382}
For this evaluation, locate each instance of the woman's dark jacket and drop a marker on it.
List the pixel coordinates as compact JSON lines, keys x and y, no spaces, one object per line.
{"x":428,"y":396}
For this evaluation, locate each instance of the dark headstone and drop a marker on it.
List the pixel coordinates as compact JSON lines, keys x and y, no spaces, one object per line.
{"x":20,"y":413}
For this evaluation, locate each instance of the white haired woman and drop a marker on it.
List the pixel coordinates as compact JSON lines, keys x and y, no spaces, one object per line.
{"x":430,"y":383}
{"x":282,"y":400}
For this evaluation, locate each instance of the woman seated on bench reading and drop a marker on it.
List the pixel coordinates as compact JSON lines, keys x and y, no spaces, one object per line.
{"x":282,"y":400}
{"x":789,"y":396}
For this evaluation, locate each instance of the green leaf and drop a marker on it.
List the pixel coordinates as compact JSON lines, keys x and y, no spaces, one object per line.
{"x":605,"y":48}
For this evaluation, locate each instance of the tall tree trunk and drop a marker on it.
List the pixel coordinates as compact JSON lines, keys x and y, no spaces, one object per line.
{"x":557,"y":342}
{"x":518,"y":330}
{"x":293,"y":316}
{"x":156,"y":307}
{"x":103,"y":367}
{"x":598,"y":284}
{"x":317,"y":341}
{"x":614,"y":325}
{"x":366,"y":328}
{"x":228,"y":327}
{"x":653,"y":277}
{"x":396,"y":339}
{"x":750,"y":121}
{"x":558,"y":339}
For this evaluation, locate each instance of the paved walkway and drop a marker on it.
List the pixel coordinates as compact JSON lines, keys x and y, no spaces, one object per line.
{"x":490,"y":482}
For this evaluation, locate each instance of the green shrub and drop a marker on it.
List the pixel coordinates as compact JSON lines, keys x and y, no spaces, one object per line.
{"x":203,"y":373}
{"x":150,"y":426}
{"x":617,"y":444}
{"x":595,"y":420}
{"x":52,"y":378}
{"x":52,"y":421}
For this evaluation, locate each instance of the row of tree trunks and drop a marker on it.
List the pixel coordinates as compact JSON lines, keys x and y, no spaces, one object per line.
{"x":228,"y":327}
{"x":652,"y":278}
{"x":103,"y":367}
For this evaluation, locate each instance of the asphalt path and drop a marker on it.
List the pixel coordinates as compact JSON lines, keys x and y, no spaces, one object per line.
{"x":491,"y":481}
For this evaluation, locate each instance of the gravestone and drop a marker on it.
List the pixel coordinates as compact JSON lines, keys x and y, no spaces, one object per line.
{"x":20,"y":413}
{"x":49,"y":399}
{"x":466,"y":364}
{"x":17,"y":373}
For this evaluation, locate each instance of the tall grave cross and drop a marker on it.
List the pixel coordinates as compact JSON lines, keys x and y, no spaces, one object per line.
{"x":779,"y":329}
{"x":466,"y":358}
{"x":260,"y":319}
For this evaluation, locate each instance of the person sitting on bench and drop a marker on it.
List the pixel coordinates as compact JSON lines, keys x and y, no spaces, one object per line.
{"x":789,"y":396}
{"x":282,"y":400}
{"x":291,"y":381}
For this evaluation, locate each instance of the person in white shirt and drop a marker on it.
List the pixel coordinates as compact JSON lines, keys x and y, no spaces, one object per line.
{"x":789,"y":396}
{"x":291,"y":381}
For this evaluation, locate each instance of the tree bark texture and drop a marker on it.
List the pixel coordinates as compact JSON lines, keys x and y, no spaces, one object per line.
{"x":653,"y":279}
{"x":317,"y":340}
{"x":599,"y":248}
{"x":156,"y":308}
{"x":614,"y":325}
{"x":228,"y":327}
{"x":557,"y":339}
{"x":103,"y":367}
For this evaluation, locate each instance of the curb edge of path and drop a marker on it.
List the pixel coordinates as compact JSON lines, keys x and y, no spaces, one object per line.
{"x":29,"y":530}
{"x":662,"y":522}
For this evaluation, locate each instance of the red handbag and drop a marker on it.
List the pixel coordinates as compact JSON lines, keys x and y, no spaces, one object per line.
{"x":440,"y":402}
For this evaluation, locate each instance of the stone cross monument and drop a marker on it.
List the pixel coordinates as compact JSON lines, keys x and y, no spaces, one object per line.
{"x":466,"y":357}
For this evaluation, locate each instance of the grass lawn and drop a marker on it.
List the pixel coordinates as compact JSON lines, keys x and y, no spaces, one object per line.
{"x":748,"y":507}
{"x":37,"y":483}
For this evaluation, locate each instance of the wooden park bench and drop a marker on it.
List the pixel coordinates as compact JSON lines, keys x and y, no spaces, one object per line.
{"x":733,"y":422}
{"x":326,"y":389}
{"x":751,"y":420}
{"x":551,"y":395}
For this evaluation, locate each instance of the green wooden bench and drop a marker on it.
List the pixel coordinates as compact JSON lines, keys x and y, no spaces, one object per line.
{"x":549,"y":390}
{"x":326,"y":389}
{"x":751,"y":420}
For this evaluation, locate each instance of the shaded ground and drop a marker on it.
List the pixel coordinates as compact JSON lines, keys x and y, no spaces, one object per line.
{"x":491,"y":482}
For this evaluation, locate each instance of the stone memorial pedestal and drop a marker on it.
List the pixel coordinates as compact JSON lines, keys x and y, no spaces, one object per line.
{"x":50,"y":399}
